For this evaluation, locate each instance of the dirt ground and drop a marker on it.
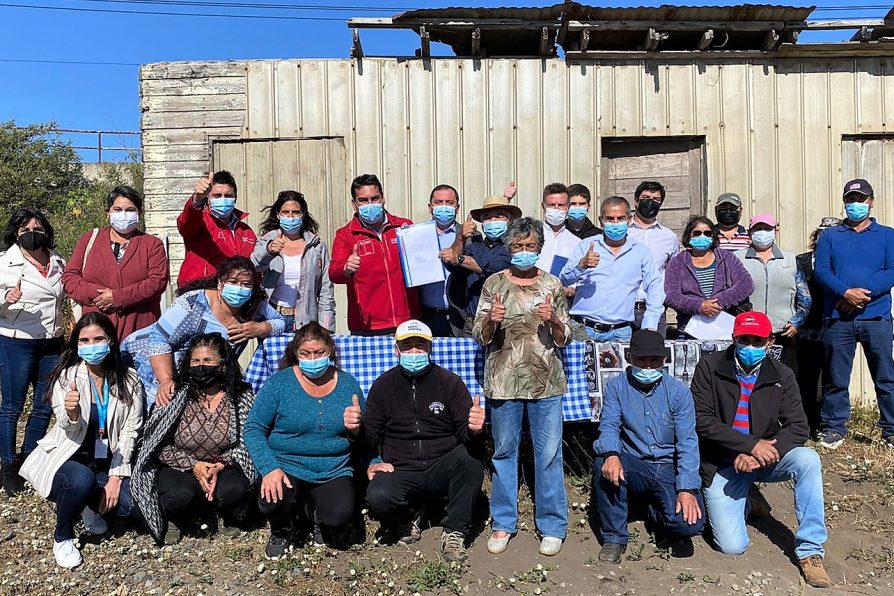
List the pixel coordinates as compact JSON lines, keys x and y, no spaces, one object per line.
{"x":859,"y":481}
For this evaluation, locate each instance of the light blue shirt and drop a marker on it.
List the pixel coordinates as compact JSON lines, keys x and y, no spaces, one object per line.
{"x":435,"y":295}
{"x":607,"y":293}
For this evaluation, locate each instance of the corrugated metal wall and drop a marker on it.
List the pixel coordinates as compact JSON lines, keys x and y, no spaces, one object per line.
{"x":773,"y":129}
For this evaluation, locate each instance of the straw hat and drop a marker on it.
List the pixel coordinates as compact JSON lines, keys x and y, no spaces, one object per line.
{"x":495,"y":202}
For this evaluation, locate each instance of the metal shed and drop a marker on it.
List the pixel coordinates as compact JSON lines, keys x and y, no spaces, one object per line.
{"x":707,"y":100}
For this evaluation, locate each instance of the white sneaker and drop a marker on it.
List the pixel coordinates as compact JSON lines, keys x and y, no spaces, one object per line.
{"x":495,"y":546}
{"x":93,"y":522}
{"x":67,"y":554}
{"x":550,"y":546}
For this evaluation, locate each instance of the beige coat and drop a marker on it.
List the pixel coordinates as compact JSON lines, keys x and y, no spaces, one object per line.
{"x":65,"y":437}
{"x":38,"y":314}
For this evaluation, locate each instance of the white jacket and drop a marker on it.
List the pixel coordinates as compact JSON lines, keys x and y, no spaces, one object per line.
{"x":65,"y":437}
{"x":38,"y":314}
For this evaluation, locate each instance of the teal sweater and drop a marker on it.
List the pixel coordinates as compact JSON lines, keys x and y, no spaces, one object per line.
{"x":303,"y":435}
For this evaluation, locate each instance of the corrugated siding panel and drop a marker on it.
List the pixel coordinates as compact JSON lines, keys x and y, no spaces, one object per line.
{"x":474,"y":135}
{"x":790,"y":120}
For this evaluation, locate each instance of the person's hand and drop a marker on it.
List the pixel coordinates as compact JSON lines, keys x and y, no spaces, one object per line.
{"x":569,"y":292}
{"x":590,"y":258}
{"x":497,"y":310}
{"x":352,"y":266}
{"x":469,"y":227}
{"x":448,"y":256}
{"x":765,"y":453}
{"x":510,"y":191}
{"x":213,"y":473}
{"x":202,"y":471}
{"x":104,"y":301}
{"x":546,"y":310}
{"x":276,"y":245}
{"x":845,"y":307}
{"x":688,"y":504}
{"x":710,"y":308}
{"x":110,"y":493}
{"x":203,"y":186}
{"x":271,"y":486}
{"x":789,"y":330}
{"x":476,"y":416}
{"x":73,"y":402}
{"x":374,"y":469}
{"x":164,"y":393}
{"x":745,"y":463}
{"x":352,"y":416}
{"x":15,"y":294}
{"x":241,"y":332}
{"x":613,"y":471}
{"x":858,"y":296}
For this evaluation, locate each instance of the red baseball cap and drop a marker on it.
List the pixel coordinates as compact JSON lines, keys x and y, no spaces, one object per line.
{"x":752,"y":323}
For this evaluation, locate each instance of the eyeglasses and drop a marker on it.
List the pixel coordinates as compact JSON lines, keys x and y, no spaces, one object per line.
{"x":697,"y":233}
{"x":520,"y":247}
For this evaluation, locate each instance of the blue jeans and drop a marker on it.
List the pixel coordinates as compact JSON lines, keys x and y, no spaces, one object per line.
{"x":545,"y":420}
{"x":622,"y":334}
{"x":841,"y":339}
{"x":725,"y":502}
{"x":655,"y":482}
{"x":76,"y":486}
{"x":24,"y":363}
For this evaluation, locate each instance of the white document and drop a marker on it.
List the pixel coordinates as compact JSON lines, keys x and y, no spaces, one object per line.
{"x":419,"y":248}
{"x":719,"y":326}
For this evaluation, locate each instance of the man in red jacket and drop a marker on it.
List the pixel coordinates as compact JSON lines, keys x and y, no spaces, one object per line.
{"x":213,"y":229}
{"x":366,"y":258}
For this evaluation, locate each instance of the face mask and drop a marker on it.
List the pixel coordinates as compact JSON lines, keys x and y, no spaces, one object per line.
{"x":205,"y":375}
{"x":235,"y":295}
{"x":763,"y":239}
{"x":749,"y":355}
{"x":495,"y":229}
{"x":555,"y":217}
{"x":648,"y":208}
{"x":525,"y":259}
{"x":414,"y":363}
{"x":32,"y":240}
{"x":315,"y":368}
{"x":444,"y":214}
{"x":646,"y":376}
{"x":371,"y":212}
{"x":856,"y":211}
{"x":222,"y":207}
{"x":615,"y":231}
{"x":701,"y":242}
{"x":727,"y":217}
{"x":577,"y":213}
{"x":94,"y":353}
{"x":290,"y":225}
{"x":124,"y":222}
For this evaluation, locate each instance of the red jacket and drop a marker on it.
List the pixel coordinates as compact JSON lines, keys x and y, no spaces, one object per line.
{"x":208,"y":241}
{"x":137,"y":282}
{"x":377,"y":297}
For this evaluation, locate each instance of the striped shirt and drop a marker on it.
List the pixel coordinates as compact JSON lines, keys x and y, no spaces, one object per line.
{"x":662,"y":242}
{"x":742,"y":421}
{"x":739,"y":241}
{"x":705,"y":277}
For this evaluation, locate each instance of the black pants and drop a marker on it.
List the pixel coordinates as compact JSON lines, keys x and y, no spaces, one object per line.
{"x":180,"y":494}
{"x":333,"y":503}
{"x":457,"y":475}
{"x":438,"y":321}
{"x":789,"y":356}
{"x":811,"y":357}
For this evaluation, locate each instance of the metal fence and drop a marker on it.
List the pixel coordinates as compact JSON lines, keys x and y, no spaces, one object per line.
{"x":102,"y":135}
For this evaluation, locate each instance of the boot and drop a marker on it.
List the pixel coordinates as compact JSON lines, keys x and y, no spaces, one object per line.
{"x":13,"y":484}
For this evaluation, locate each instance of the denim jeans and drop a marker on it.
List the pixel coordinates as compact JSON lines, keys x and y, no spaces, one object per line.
{"x":622,"y":334}
{"x":725,"y":502}
{"x":841,"y":339}
{"x":76,"y":486}
{"x":24,"y":363}
{"x":655,"y":482}
{"x":545,"y":420}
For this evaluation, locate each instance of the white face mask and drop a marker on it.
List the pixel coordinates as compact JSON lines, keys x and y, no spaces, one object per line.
{"x":124,"y":222}
{"x":555,"y":217}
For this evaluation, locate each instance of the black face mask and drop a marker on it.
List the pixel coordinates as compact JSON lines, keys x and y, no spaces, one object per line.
{"x":204,"y":375}
{"x":648,"y":208}
{"x":32,"y":240}
{"x":727,"y":217}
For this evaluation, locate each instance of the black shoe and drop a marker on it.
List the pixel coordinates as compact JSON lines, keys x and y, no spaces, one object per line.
{"x":758,"y":506}
{"x":611,"y":552}
{"x":13,"y":484}
{"x":277,"y":546}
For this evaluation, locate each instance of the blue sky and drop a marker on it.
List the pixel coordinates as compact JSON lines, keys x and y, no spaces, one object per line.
{"x":106,"y":96}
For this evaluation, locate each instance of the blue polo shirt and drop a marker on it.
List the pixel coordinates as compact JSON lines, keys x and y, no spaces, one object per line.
{"x":492,"y":256}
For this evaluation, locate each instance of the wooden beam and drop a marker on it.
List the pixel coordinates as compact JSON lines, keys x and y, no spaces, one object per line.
{"x":584,"y":40}
{"x":544,"y":42}
{"x":653,"y":38}
{"x":476,"y":42}
{"x":356,"y":48}
{"x":771,"y":41}
{"x":705,"y":42}
{"x":685,"y":25}
{"x":832,"y":25}
{"x":425,"y":38}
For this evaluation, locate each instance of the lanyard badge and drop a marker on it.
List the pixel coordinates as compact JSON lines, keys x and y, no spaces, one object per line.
{"x":102,"y":405}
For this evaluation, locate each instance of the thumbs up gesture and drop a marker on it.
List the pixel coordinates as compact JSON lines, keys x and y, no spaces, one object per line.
{"x":469,"y":227}
{"x":73,"y":402}
{"x":510,"y":191}
{"x":546,"y":310}
{"x":498,"y":309}
{"x":591,"y":258}
{"x":353,"y":264}
{"x":277,"y":244}
{"x":203,"y":186}
{"x":352,"y":416}
{"x":15,"y":294}
{"x":476,"y":416}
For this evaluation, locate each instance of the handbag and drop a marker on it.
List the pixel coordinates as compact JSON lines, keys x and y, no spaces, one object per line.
{"x":77,"y":311}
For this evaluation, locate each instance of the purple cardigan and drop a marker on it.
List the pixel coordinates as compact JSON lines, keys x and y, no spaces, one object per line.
{"x":732,"y":283}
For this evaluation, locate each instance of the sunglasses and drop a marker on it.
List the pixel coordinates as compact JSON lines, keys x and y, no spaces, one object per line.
{"x":697,"y":233}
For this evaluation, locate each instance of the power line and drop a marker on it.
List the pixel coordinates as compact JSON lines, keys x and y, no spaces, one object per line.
{"x":169,"y":14}
{"x":74,"y":62}
{"x":257,"y":6}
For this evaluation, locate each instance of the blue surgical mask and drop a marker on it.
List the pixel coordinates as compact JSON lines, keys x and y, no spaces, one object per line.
{"x":94,"y":353}
{"x":615,"y":231}
{"x":222,"y":207}
{"x":763,"y":239}
{"x":495,"y":229}
{"x":444,"y":214}
{"x":235,"y":295}
{"x":290,"y":225}
{"x":414,"y":363}
{"x":750,"y":355}
{"x":315,"y":368}
{"x":646,"y":376}
{"x":525,"y":259}
{"x":701,"y":242}
{"x":577,"y":213}
{"x":371,"y":213}
{"x":856,"y":211}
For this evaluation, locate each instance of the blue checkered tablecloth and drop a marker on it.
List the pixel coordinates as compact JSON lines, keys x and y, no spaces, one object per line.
{"x":368,"y":357}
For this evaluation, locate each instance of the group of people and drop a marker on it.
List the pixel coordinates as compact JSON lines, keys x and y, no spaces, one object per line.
{"x":522,"y":288}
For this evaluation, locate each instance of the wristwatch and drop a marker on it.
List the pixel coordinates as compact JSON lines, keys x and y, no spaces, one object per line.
{"x":461,"y":259}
